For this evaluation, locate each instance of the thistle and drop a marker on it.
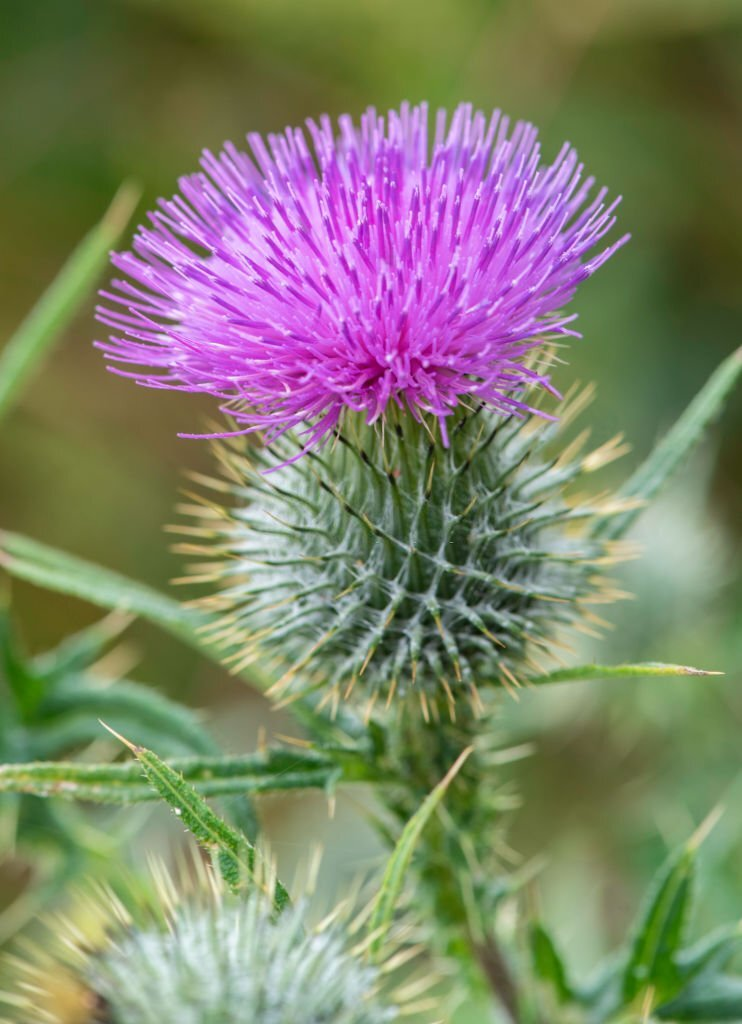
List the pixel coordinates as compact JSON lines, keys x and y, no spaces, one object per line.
{"x":368,"y":274}
{"x":386,"y":315}
{"x":389,"y":313}
{"x":166,"y":956}
{"x":391,"y":563}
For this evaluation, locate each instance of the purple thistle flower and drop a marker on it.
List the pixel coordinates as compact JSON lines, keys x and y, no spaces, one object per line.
{"x":360,"y":271}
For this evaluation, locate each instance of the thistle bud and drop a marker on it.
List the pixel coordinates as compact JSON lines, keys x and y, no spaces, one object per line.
{"x":203,"y":957}
{"x":391,"y":563}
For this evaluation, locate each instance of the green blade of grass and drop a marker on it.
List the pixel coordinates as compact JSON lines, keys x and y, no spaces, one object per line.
{"x":126,"y":702}
{"x":36,"y":335}
{"x":47,"y":567}
{"x":391,"y":883}
{"x":659,"y":931}
{"x":56,"y":570}
{"x":649,"y":478}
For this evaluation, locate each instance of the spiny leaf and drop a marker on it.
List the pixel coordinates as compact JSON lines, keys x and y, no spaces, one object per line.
{"x":548,"y":963}
{"x":714,"y":999}
{"x":392,"y":881}
{"x":577,"y":673}
{"x":34,"y":338}
{"x":268,"y":771}
{"x":652,"y":959}
{"x":646,"y":482}
{"x":235,"y":855}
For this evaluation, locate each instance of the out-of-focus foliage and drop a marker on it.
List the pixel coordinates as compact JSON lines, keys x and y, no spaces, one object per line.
{"x":657,"y":974}
{"x":650,"y":92}
{"x":25,"y":351}
{"x":51,"y":706}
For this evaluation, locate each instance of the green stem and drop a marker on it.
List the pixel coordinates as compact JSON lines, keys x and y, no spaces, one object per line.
{"x":458,"y":876}
{"x":497,"y":971}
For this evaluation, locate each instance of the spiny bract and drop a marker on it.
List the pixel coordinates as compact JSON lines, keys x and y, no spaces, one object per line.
{"x":204,"y":960}
{"x":238,"y":964}
{"x":390,"y":562}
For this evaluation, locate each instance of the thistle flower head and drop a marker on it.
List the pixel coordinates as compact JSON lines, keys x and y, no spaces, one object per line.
{"x":201,"y":957}
{"x":363,"y":270}
{"x":392,"y":564}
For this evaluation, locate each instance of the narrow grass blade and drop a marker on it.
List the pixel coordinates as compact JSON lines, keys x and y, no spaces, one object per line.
{"x":77,"y":652}
{"x":47,"y":567}
{"x":660,"y":930}
{"x":56,"y":570}
{"x":23,"y":354}
{"x":578,"y":673}
{"x":132,"y":704}
{"x":391,"y":884}
{"x":645,"y":483}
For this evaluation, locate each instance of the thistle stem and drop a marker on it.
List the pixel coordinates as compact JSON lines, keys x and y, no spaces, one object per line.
{"x":457,"y":872}
{"x":499,"y":976}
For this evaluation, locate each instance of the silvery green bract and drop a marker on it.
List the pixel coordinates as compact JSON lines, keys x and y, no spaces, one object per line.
{"x":392,"y":564}
{"x":236,"y":962}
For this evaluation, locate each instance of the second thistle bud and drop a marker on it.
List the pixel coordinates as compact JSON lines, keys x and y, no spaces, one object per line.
{"x":200,"y":957}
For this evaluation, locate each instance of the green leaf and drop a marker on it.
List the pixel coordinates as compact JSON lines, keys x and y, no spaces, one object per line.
{"x":548,"y":963}
{"x":55,"y":570}
{"x":648,"y":479}
{"x":712,"y":998}
{"x":601,"y":991}
{"x":33,"y":339}
{"x":235,"y":855}
{"x":69,"y":732}
{"x":63,"y":573}
{"x":660,"y":931}
{"x":78,"y":651}
{"x":652,"y":958}
{"x":26,"y":689}
{"x":714,"y":950}
{"x":393,"y":879}
{"x":268,"y":771}
{"x":131,"y":703}
{"x":578,"y":673}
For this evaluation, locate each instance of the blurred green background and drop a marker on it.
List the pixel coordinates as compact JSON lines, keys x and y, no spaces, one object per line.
{"x":650,"y":92}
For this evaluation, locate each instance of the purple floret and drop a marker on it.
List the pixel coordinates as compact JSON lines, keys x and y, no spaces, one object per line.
{"x":359,"y":270}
